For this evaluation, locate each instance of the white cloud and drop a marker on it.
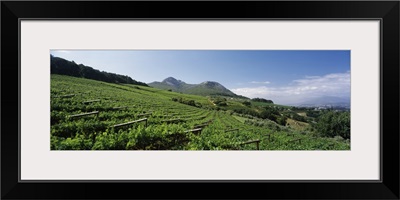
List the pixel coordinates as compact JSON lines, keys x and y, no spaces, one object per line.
{"x":260,"y":82}
{"x":337,"y":85}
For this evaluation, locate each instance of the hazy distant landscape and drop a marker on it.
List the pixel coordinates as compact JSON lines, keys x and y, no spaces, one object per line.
{"x":181,"y":107}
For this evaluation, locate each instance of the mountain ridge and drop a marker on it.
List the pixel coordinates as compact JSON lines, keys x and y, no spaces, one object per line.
{"x":204,"y":88}
{"x":326,"y":101}
{"x":62,"y":66}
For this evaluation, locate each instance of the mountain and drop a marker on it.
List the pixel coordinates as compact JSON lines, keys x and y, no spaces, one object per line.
{"x":171,"y":83}
{"x":70,"y":68}
{"x":204,"y":88}
{"x":210,"y":88}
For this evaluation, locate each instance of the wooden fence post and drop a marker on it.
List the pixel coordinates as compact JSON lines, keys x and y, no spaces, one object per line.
{"x":84,"y":114}
{"x":252,"y":141}
{"x":132,"y":122}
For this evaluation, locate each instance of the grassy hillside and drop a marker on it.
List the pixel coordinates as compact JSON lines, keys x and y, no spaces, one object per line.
{"x":70,"y":68}
{"x":93,"y":115}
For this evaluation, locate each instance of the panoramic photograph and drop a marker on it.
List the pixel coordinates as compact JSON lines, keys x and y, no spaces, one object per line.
{"x":224,"y":100}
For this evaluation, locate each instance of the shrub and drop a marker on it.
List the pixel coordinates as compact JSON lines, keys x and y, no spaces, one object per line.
{"x":281,"y":120}
{"x":331,"y":124}
{"x":222,"y":104}
{"x":247,"y":103}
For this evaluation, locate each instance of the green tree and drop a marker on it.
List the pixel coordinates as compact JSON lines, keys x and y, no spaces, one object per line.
{"x":331,"y":124}
{"x":247,"y":103}
{"x":282,"y":120}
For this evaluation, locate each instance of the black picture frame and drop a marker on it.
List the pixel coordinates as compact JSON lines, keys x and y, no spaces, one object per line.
{"x":386,"y":11}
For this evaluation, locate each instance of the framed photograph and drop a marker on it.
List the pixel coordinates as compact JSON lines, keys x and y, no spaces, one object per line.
{"x":107,"y":99}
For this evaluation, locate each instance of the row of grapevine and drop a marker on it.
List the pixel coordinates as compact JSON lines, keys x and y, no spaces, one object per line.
{"x":84,"y":114}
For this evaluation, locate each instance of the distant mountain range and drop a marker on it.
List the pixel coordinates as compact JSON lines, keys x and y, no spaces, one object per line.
{"x":326,"y":102}
{"x":204,"y":88}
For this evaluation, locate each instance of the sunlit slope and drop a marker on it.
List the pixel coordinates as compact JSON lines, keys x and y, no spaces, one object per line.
{"x":93,"y":115}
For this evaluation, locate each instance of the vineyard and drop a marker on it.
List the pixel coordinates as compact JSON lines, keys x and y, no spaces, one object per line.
{"x":93,"y":115}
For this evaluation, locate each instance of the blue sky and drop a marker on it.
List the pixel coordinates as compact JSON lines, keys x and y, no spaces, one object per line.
{"x":281,"y":75}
